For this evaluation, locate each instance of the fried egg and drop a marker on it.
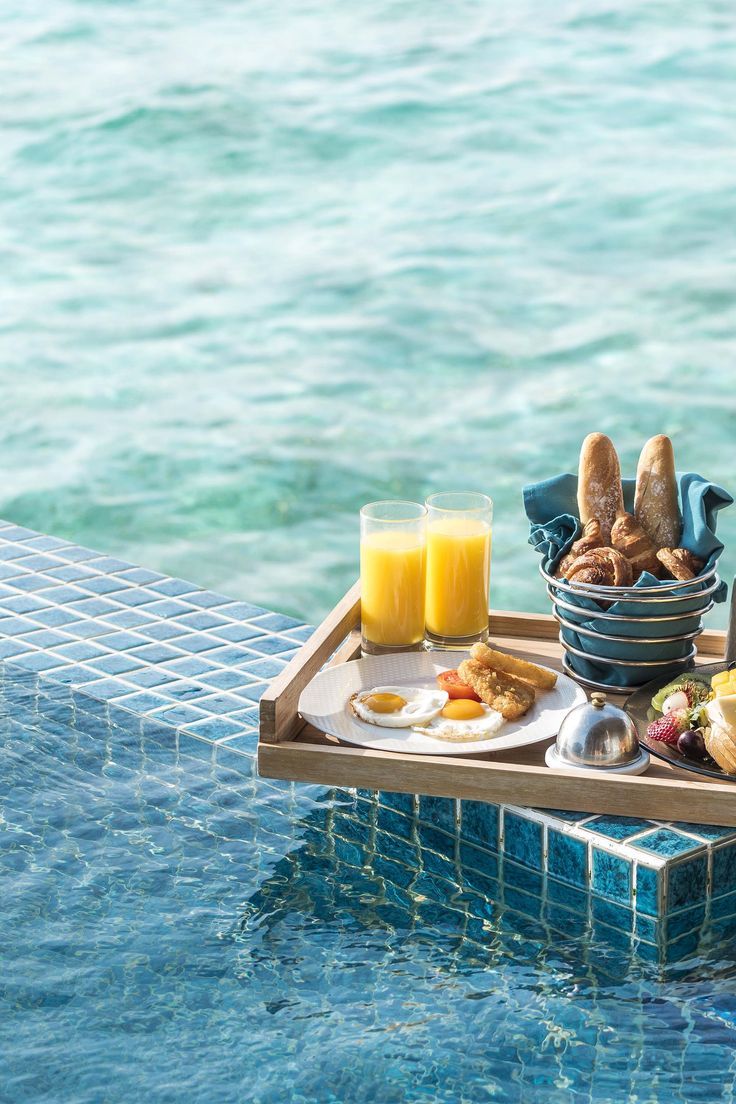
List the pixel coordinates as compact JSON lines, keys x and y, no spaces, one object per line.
{"x":397,"y":706}
{"x":462,"y":719}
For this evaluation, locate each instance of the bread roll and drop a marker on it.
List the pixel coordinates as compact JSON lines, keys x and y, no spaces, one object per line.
{"x":631,"y":539}
{"x":601,"y":567}
{"x":655,"y":504}
{"x":599,"y":483}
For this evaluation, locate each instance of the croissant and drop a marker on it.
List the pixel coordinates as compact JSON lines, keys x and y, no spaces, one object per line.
{"x":680,"y":563}
{"x":592,"y":537}
{"x":601,"y":567}
{"x":630,"y":539}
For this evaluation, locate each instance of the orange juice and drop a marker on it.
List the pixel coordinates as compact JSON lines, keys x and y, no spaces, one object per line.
{"x":392,"y":584}
{"x":458,"y":567}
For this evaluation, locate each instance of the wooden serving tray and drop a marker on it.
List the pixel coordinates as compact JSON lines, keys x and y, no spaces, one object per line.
{"x":288,"y":748}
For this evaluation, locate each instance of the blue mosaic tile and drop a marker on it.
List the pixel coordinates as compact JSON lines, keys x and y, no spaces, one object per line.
{"x":134,"y":596}
{"x":11,"y":552}
{"x":197,"y":642}
{"x":667,"y":843}
{"x":300,"y":634}
{"x":120,"y":641}
{"x":114,"y":664}
{"x":724,"y":869}
{"x":128,"y":619}
{"x":190,"y":666}
{"x":109,"y":565}
{"x":618,"y":827}
{"x":71,"y":573}
{"x":105,"y":688}
{"x":567,"y":897}
{"x":522,"y":839}
{"x":263,"y":668}
{"x":46,"y":544}
{"x":61,"y":595}
{"x":46,"y":638}
{"x":567,"y":814}
{"x":476,"y":858}
{"x":80,"y":650}
{"x":647,"y":927}
{"x":38,"y":661}
{"x":611,"y":876}
{"x":142,"y":575}
{"x":229,"y":655}
{"x":183,"y":690}
{"x":94,"y":607}
{"x":223,"y":703}
{"x":479,"y":822}
{"x":13,"y":647}
{"x":647,"y":889}
{"x":249,"y":719}
{"x":178,"y":715}
{"x":401,"y":802}
{"x":613,"y":914}
{"x":439,"y":811}
{"x":39,"y":562}
{"x":241,"y":611}
{"x":711,"y":832}
{"x":202,"y":619}
{"x":225,"y":680}
{"x":567,"y":858}
{"x":161,"y":630}
{"x":723,"y":905}
{"x":54,"y":616}
{"x":145,"y":702}
{"x":10,"y":571}
{"x":271,"y":645}
{"x":73,"y":674}
{"x":173,"y":587}
{"x":235,"y":632}
{"x":207,"y":598}
{"x":29,"y":582}
{"x":154,"y":653}
{"x":685,"y":920}
{"x":167,"y":607}
{"x":89,"y":629}
{"x":102,"y":584}
{"x":24,"y":603}
{"x":75,"y":552}
{"x":254,"y":691}
{"x":18,"y":533}
{"x":149,"y":677}
{"x":277,"y":622}
{"x":391,"y":821}
{"x":16,"y":626}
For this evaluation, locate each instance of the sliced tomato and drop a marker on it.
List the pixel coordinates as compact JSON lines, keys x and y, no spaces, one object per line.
{"x":452,"y":684}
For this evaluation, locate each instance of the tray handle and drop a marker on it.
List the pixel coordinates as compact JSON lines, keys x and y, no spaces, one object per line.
{"x":278,"y":712}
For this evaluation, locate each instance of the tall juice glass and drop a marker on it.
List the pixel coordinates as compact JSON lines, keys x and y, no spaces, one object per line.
{"x":392,"y":576}
{"x":458,"y":568}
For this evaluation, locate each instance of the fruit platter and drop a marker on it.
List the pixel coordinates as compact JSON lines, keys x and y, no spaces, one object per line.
{"x":690,"y":721}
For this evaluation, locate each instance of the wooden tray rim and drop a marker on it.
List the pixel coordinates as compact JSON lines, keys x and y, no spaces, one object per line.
{"x":290,"y":749}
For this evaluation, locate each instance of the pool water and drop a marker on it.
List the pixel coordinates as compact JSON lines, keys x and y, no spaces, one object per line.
{"x":264,"y":263}
{"x":173,"y":929}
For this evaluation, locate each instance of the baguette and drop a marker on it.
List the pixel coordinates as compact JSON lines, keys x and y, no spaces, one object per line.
{"x":599,"y":483}
{"x":655,"y":503}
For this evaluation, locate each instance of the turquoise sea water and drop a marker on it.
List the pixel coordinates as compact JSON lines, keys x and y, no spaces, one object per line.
{"x":262,"y":263}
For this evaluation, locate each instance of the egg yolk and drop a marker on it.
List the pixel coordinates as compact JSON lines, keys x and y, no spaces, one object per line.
{"x":462,"y":709}
{"x":384,"y":703}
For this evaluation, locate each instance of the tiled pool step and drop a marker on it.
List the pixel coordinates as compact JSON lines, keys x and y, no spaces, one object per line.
{"x":191,"y":666}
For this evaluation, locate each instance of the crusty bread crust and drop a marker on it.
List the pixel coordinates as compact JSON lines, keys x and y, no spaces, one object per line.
{"x":655,"y":504}
{"x":599,"y":483}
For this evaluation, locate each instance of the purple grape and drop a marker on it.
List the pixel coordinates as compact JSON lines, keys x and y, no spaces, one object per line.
{"x":692,"y":744}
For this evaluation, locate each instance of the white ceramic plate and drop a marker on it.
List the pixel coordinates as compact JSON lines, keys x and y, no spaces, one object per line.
{"x":324,"y":704}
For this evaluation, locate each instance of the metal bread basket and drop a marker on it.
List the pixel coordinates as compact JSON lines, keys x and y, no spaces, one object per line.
{"x":635,"y":650}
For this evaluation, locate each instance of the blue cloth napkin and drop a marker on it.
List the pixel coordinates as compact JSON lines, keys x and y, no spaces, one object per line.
{"x":551,"y":507}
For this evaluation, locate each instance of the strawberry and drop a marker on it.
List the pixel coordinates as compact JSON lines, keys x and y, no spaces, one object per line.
{"x":669,"y":727}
